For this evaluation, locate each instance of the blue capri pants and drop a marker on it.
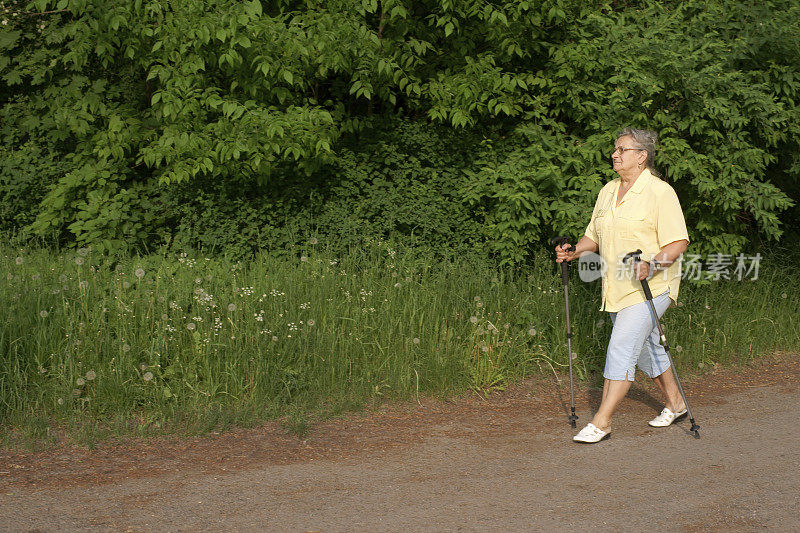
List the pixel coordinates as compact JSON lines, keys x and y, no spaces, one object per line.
{"x":635,"y":341}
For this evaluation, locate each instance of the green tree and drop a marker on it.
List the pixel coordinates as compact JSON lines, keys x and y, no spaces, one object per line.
{"x":138,"y":100}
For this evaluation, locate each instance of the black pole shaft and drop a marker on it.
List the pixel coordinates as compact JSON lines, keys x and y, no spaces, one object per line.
{"x":649,"y":296}
{"x":565,"y":279}
{"x":561,"y":241}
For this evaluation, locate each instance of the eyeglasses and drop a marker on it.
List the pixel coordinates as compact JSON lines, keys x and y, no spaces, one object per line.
{"x":619,"y":150}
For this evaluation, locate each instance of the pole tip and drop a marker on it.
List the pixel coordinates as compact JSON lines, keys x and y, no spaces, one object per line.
{"x":572,"y":420}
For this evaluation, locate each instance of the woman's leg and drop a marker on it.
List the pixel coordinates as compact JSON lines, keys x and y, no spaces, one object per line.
{"x":613,"y":393}
{"x":654,"y":362}
{"x":632,"y":327}
{"x":669,"y":388}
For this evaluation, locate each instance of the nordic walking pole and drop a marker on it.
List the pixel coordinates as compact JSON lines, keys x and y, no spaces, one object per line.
{"x":560,"y":241}
{"x":646,"y":288}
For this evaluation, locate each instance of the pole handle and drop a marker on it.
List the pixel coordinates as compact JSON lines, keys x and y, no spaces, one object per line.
{"x":564,"y":273}
{"x":646,"y":289}
{"x":561,"y":241}
{"x":635,"y":256}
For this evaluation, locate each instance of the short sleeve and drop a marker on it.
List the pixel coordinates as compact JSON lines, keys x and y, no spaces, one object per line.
{"x":671,"y":225}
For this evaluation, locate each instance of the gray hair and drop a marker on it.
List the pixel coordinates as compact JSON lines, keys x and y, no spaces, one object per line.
{"x":646,"y":139}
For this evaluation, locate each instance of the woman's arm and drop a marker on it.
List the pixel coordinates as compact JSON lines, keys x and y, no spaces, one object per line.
{"x":668,"y":254}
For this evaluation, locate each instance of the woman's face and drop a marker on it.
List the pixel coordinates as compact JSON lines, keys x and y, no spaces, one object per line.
{"x":627,"y":156}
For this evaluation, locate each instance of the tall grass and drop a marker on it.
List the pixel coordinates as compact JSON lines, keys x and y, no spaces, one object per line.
{"x":161,"y":342}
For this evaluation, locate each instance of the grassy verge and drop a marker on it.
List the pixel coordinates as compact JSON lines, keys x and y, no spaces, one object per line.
{"x":92,"y":346}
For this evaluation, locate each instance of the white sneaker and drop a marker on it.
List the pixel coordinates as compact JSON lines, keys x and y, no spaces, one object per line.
{"x":591,"y":433}
{"x":666,"y":418}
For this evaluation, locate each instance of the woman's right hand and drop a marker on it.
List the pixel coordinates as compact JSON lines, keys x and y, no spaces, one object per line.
{"x":562,"y":254}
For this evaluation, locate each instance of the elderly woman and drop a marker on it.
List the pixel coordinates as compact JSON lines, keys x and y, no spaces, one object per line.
{"x":635,"y":211}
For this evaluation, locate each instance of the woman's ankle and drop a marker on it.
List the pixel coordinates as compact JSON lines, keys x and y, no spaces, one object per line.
{"x":676,"y":407}
{"x":601,"y":424}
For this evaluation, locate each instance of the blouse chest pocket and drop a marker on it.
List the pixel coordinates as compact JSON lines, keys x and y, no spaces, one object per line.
{"x":633,"y":222}
{"x":602,"y":221}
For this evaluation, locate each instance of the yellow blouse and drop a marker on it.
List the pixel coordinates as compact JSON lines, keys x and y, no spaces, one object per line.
{"x":648,"y":218}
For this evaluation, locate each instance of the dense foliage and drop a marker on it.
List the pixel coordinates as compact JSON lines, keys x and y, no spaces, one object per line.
{"x":244,"y":124}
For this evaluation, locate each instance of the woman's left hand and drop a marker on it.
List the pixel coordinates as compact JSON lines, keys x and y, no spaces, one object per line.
{"x":642,"y":270}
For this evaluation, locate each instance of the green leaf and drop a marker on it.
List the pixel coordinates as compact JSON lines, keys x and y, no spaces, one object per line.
{"x":9,"y":38}
{"x":253,"y":8}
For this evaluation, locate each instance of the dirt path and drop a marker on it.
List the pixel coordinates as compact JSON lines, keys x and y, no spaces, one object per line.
{"x":507,"y":463}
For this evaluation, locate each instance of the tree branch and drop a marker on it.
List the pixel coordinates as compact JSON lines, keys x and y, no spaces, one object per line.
{"x":35,"y":14}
